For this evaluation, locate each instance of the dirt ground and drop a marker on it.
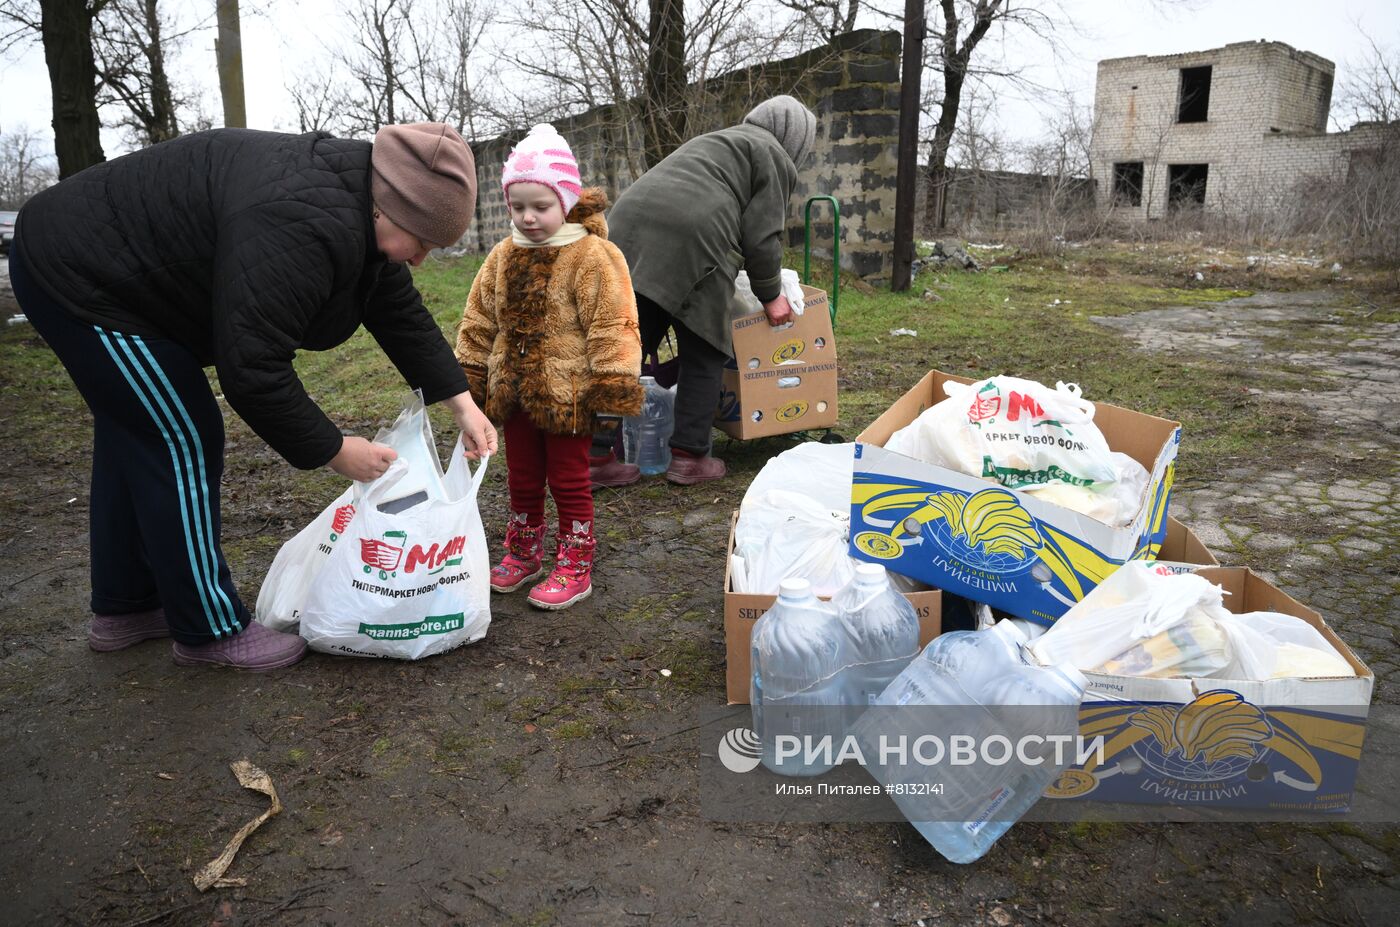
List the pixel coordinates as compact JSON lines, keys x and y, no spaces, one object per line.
{"x":547,"y":775}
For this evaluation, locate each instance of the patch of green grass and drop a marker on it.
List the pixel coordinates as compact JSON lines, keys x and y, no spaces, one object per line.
{"x":981,"y":324}
{"x":460,"y":743}
{"x":649,"y":608}
{"x":1095,"y":830}
{"x":381,"y":746}
{"x":622,"y":704}
{"x":574,"y":685}
{"x":572,"y":730}
{"x":511,"y":767}
{"x":695,"y":667}
{"x":297,"y":755}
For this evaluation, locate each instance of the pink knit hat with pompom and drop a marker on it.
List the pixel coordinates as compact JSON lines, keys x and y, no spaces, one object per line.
{"x":544,"y":157}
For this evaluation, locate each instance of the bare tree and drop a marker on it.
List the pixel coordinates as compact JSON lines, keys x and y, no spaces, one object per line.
{"x":656,"y":55}
{"x":829,"y":18}
{"x":319,"y":101}
{"x":573,"y":55}
{"x":132,"y":40}
{"x":665,"y":79}
{"x":372,"y":61}
{"x":24,"y":171}
{"x":1063,"y":150}
{"x":467,"y":23}
{"x":1370,"y":91}
{"x":955,"y":35}
{"x":65,"y":29}
{"x":408,"y":59}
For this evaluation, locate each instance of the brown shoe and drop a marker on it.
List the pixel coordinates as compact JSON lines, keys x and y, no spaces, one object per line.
{"x":687,"y":470}
{"x":609,"y":471}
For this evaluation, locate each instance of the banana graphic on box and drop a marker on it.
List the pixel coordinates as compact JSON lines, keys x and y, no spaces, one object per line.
{"x":1215,"y":726}
{"x":991,"y":519}
{"x":1218,"y":733}
{"x":989,"y":530}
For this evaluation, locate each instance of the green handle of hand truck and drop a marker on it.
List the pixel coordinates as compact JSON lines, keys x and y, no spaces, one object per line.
{"x":835,"y":248}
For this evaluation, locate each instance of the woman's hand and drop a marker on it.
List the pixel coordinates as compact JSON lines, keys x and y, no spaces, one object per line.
{"x":779,"y":311}
{"x":478,"y":434}
{"x":362,"y":460}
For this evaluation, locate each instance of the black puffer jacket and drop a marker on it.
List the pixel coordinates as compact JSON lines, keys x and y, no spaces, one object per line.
{"x":242,"y":246}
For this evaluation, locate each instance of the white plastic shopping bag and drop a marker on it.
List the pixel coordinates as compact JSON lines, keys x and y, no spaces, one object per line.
{"x":298,"y":563}
{"x":795,"y":520}
{"x":795,"y":523}
{"x":1272,"y":645}
{"x":745,"y":302}
{"x":1114,"y":504}
{"x":1146,"y":619}
{"x":799,"y":540}
{"x":1142,"y":621}
{"x":1017,"y":432}
{"x":405,"y":584}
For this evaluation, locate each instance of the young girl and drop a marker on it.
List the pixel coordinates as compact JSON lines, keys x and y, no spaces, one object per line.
{"x":549,"y":341}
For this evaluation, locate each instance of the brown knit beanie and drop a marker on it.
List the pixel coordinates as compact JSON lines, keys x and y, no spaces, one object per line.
{"x":424,"y":179}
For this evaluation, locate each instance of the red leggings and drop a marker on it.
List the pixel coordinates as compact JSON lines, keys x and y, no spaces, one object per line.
{"x":533,"y":458}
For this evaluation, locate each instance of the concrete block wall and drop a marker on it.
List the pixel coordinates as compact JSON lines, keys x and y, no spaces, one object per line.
{"x":1260,"y":92}
{"x":852,"y":85}
{"x":998,"y":201}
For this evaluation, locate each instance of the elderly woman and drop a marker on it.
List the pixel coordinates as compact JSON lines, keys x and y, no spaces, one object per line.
{"x":714,"y":206}
{"x":232,"y":249}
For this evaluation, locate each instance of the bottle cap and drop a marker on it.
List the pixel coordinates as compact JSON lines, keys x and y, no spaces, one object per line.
{"x":794,"y":588}
{"x":870,"y":574}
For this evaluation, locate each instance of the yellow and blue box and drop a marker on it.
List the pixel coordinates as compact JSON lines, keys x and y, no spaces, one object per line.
{"x":1021,"y":555}
{"x":1271,"y":745}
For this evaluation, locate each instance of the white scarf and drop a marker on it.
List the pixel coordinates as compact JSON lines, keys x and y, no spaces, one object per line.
{"x":568,"y":233}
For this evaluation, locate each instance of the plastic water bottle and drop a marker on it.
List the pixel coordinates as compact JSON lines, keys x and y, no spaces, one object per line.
{"x":798,"y":652}
{"x":985,"y":671}
{"x":955,"y":669}
{"x":646,"y":437}
{"x":966,"y":659}
{"x":883,"y":629}
{"x":1056,"y":691}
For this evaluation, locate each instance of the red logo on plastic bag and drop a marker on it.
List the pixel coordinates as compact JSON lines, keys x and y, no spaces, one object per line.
{"x":1020,"y":403}
{"x":386,"y":557}
{"x":342,"y":518}
{"x":380,"y":555}
{"x":436,"y":556}
{"x":984,"y":407}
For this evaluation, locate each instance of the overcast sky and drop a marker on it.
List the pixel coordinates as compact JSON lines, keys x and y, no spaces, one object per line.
{"x":283,"y":38}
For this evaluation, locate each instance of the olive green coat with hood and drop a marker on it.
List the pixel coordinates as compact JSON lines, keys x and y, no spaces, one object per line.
{"x":714,"y":206}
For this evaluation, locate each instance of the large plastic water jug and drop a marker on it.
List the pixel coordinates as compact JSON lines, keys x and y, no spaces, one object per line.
{"x":798,"y":651}
{"x":883,"y":629}
{"x":993,"y":691}
{"x":646,"y":438}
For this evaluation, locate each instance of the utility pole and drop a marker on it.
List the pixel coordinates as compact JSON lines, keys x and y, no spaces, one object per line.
{"x":906,"y":180}
{"x":228,"y":48}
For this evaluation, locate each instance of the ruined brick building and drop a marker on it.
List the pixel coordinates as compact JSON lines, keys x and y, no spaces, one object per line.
{"x":1230,"y":130}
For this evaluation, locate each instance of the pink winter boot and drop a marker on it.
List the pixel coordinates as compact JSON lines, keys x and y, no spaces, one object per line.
{"x":524,"y":555}
{"x":572,"y":578}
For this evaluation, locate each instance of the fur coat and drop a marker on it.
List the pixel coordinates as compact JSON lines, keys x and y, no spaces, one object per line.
{"x":553,"y":331}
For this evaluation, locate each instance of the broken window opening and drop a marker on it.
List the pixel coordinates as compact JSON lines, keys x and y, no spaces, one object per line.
{"x":1194,"y":101}
{"x":1186,"y":186}
{"x":1127,"y":183}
